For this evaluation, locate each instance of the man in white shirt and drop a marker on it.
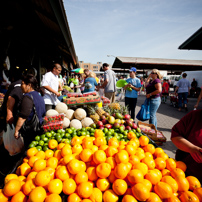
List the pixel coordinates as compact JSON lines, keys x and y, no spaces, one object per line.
{"x":51,"y":84}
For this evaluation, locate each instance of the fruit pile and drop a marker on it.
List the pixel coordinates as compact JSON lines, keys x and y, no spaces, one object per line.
{"x":52,"y":119}
{"x":89,"y":170}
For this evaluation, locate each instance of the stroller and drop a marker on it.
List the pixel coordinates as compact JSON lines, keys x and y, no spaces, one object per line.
{"x":174,"y":100}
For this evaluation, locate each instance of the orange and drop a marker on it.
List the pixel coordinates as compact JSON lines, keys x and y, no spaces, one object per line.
{"x":73,"y":198}
{"x":76,"y":140}
{"x":91,"y":172}
{"x":165,"y":172}
{"x":142,"y":167}
{"x":31,"y":175}
{"x":22,"y":178}
{"x":51,"y":172}
{"x":38,"y":194}
{"x":57,"y":154}
{"x":139,"y":154}
{"x":122,"y":143}
{"x":98,"y":133}
{"x":49,"y":153}
{"x":135,"y":176}
{"x":41,"y":154}
{"x":148,"y":154}
{"x":183,"y":184}
{"x":121,"y":170}
{"x":52,"y":162}
{"x":140,"y":192}
{"x":149,"y":162}
{"x":160,"y":163}
{"x":170,"y":164}
{"x":69,"y":186}
{"x":188,"y":196}
{"x":86,"y":155}
{"x":144,"y":140}
{"x":62,"y":173}
{"x":61,"y":145}
{"x":158,"y":173}
{"x":154,"y":198}
{"x":129,"y":191}
{"x":99,"y":141}
{"x":103,"y":170}
{"x":112,"y":177}
{"x":25,"y":160}
{"x":130,"y":149}
{"x":198,"y":192}
{"x":96,"y":196}
{"x":122,"y":157}
{"x":77,"y":148}
{"x":194,"y":183}
{"x":28,"y":187}
{"x":121,"y":147}
{"x":66,"y":150}
{"x":102,"y":184}
{"x":42,"y":178}
{"x":52,"y":144}
{"x":133,"y":159}
{"x":85,"y":189}
{"x":87,"y":143}
{"x":111,"y":151}
{"x":131,"y":135}
{"x":147,"y":183}
{"x":128,"y":198}
{"x":113,"y":142}
{"x":39,"y":165}
{"x":152,"y":176}
{"x":99,"y":157}
{"x":12,"y":187}
{"x":110,"y":195}
{"x":181,"y":165}
{"x":31,"y":152}
{"x":3,"y":197}
{"x":53,"y":198}
{"x":177,"y":172}
{"x":32,"y":159}
{"x":55,"y":186}
{"x":119,"y":187}
{"x":19,"y":197}
{"x":111,"y":161}
{"x":81,"y":177}
{"x":163,"y":155}
{"x":149,"y":148}
{"x":173,"y":198}
{"x":67,"y":158}
{"x":94,"y":148}
{"x":74,"y":166}
{"x":83,"y":166}
{"x":158,"y":151}
{"x":163,"y":190}
{"x":10,"y":177}
{"x":25,"y":169}
{"x":103,"y":147}
{"x":172,"y":182}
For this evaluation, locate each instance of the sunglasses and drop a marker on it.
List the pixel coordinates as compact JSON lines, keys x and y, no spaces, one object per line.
{"x":153,"y":73}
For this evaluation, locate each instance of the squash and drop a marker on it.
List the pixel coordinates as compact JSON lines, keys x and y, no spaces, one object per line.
{"x":86,"y":122}
{"x":61,"y":107}
{"x":69,"y":114}
{"x":76,"y":124}
{"x":52,"y":112}
{"x":80,"y":114}
{"x":66,"y":122}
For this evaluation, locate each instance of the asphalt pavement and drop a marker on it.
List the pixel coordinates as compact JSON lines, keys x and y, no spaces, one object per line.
{"x":167,"y":117}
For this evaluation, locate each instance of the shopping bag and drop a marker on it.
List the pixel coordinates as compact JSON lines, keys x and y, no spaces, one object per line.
{"x":144,"y":113}
{"x":11,"y":144}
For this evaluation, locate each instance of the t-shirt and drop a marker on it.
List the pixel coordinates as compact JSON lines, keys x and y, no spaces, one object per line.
{"x":90,"y":84}
{"x":165,"y":87}
{"x":51,"y":80}
{"x":111,"y":77}
{"x":135,"y":82}
{"x":183,"y":85}
{"x":151,"y":87}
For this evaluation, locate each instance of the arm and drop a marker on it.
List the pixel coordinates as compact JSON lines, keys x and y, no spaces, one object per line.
{"x":133,"y":87}
{"x":198,"y":100}
{"x":18,"y":126}
{"x":147,"y":80}
{"x":157,"y":91}
{"x":104,"y":84}
{"x":60,"y":88}
{"x":51,"y":90}
{"x":177,"y":87}
{"x":186,"y":146}
{"x":10,"y":106}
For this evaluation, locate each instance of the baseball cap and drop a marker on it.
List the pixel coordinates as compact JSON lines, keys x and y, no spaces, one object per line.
{"x":132,"y":69}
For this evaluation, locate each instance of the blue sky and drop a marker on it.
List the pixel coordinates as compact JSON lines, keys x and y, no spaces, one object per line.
{"x":133,"y":28}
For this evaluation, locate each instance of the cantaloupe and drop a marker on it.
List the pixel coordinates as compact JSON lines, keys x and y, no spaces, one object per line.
{"x":86,"y":122}
{"x":66,"y":122}
{"x":76,"y":124}
{"x":80,"y":114}
{"x":52,"y":112}
{"x":69,"y":114}
{"x":61,"y":107}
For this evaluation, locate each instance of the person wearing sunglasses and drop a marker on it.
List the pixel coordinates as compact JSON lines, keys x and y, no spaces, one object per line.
{"x":153,"y":90}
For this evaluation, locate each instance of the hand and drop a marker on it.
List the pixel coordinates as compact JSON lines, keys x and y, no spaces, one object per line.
{"x":129,"y":85}
{"x":10,"y":119}
{"x":196,"y":154}
{"x":58,"y":94}
{"x":16,"y":134}
{"x":148,"y":96}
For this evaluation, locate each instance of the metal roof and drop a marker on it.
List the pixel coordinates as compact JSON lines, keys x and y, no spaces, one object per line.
{"x":124,"y":63}
{"x":194,"y":42}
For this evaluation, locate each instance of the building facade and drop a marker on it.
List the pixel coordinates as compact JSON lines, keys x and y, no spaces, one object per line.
{"x":91,"y":67}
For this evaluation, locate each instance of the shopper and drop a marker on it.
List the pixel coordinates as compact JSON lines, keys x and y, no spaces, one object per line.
{"x":132,"y":89}
{"x":90,"y":83}
{"x":183,"y":90}
{"x":109,"y":84}
{"x":51,"y":85}
{"x":198,"y":100}
{"x":187,"y":137}
{"x":153,"y":90}
{"x":165,"y":91}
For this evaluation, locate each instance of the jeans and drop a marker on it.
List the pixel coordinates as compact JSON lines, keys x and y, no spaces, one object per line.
{"x":154,"y":105}
{"x":131,"y":102}
{"x":184,"y":96}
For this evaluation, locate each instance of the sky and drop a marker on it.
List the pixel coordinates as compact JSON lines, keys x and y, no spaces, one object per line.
{"x":133,"y":28}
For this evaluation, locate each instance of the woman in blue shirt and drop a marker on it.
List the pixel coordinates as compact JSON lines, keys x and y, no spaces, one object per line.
{"x":90,"y":83}
{"x":132,"y":89}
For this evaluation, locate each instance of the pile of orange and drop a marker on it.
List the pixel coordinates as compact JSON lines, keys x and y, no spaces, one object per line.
{"x":89,"y":170}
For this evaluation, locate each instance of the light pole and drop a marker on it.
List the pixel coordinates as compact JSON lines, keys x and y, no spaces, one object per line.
{"x":111,"y":56}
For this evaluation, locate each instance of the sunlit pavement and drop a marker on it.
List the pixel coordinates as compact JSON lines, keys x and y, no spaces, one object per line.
{"x":167,"y":117}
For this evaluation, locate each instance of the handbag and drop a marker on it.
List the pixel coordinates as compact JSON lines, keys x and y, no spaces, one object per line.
{"x":32,"y":125}
{"x":144,"y":113}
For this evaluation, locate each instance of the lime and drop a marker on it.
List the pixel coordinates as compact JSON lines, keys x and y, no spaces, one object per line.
{"x":111,"y":130}
{"x":67,"y":141}
{"x":39,"y":148}
{"x":59,"y":131}
{"x":58,"y":136}
{"x":41,"y":142}
{"x":69,"y":130}
{"x":31,"y":145}
{"x":59,"y":139}
{"x":73,"y":128}
{"x":83,"y":133}
{"x":108,"y":133}
{"x":67,"y":135}
{"x":37,"y":138}
{"x":134,"y":130}
{"x":74,"y":135}
{"x":45,"y":148}
{"x":45,"y":144}
{"x":48,"y":134}
{"x":91,"y":134}
{"x":45,"y":139}
{"x":92,"y":130}
{"x":138,"y":130}
{"x":35,"y":142}
{"x":108,"y":138}
{"x":52,"y":131}
{"x":83,"y":129}
{"x":105,"y":130}
{"x":42,"y":136}
{"x":54,"y":134}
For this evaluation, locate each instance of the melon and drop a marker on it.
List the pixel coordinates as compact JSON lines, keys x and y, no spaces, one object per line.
{"x":61,"y":107}
{"x":76,"y":124}
{"x":69,"y":114}
{"x":52,"y":112}
{"x":86,"y":122}
{"x":66,"y":122}
{"x":80,"y":114}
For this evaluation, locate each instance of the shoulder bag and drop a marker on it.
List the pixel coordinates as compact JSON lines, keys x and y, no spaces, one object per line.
{"x":144,"y":113}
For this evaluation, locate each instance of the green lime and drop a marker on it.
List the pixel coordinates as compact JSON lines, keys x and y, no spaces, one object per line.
{"x":87,"y":133}
{"x":52,"y":131}
{"x":108,"y":133}
{"x":37,"y":138}
{"x":39,"y":148}
{"x":93,"y":125}
{"x":45,"y":144}
{"x":67,"y":135}
{"x":42,"y":136}
{"x":67,"y":141}
{"x":48,"y":134}
{"x":69,"y":130}
{"x":105,"y":130}
{"x":111,"y":130}
{"x":59,"y":139}
{"x":58,"y":136}
{"x":73,"y":128}
{"x":45,"y":148}
{"x":35,"y":142}
{"x":45,"y":139}
{"x":91,"y":134}
{"x":41,"y":142}
{"x":83,"y":133}
{"x":108,"y":138}
{"x":59,"y":131}
{"x":92,"y":130}
{"x":138,"y":130}
{"x":31,"y":145}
